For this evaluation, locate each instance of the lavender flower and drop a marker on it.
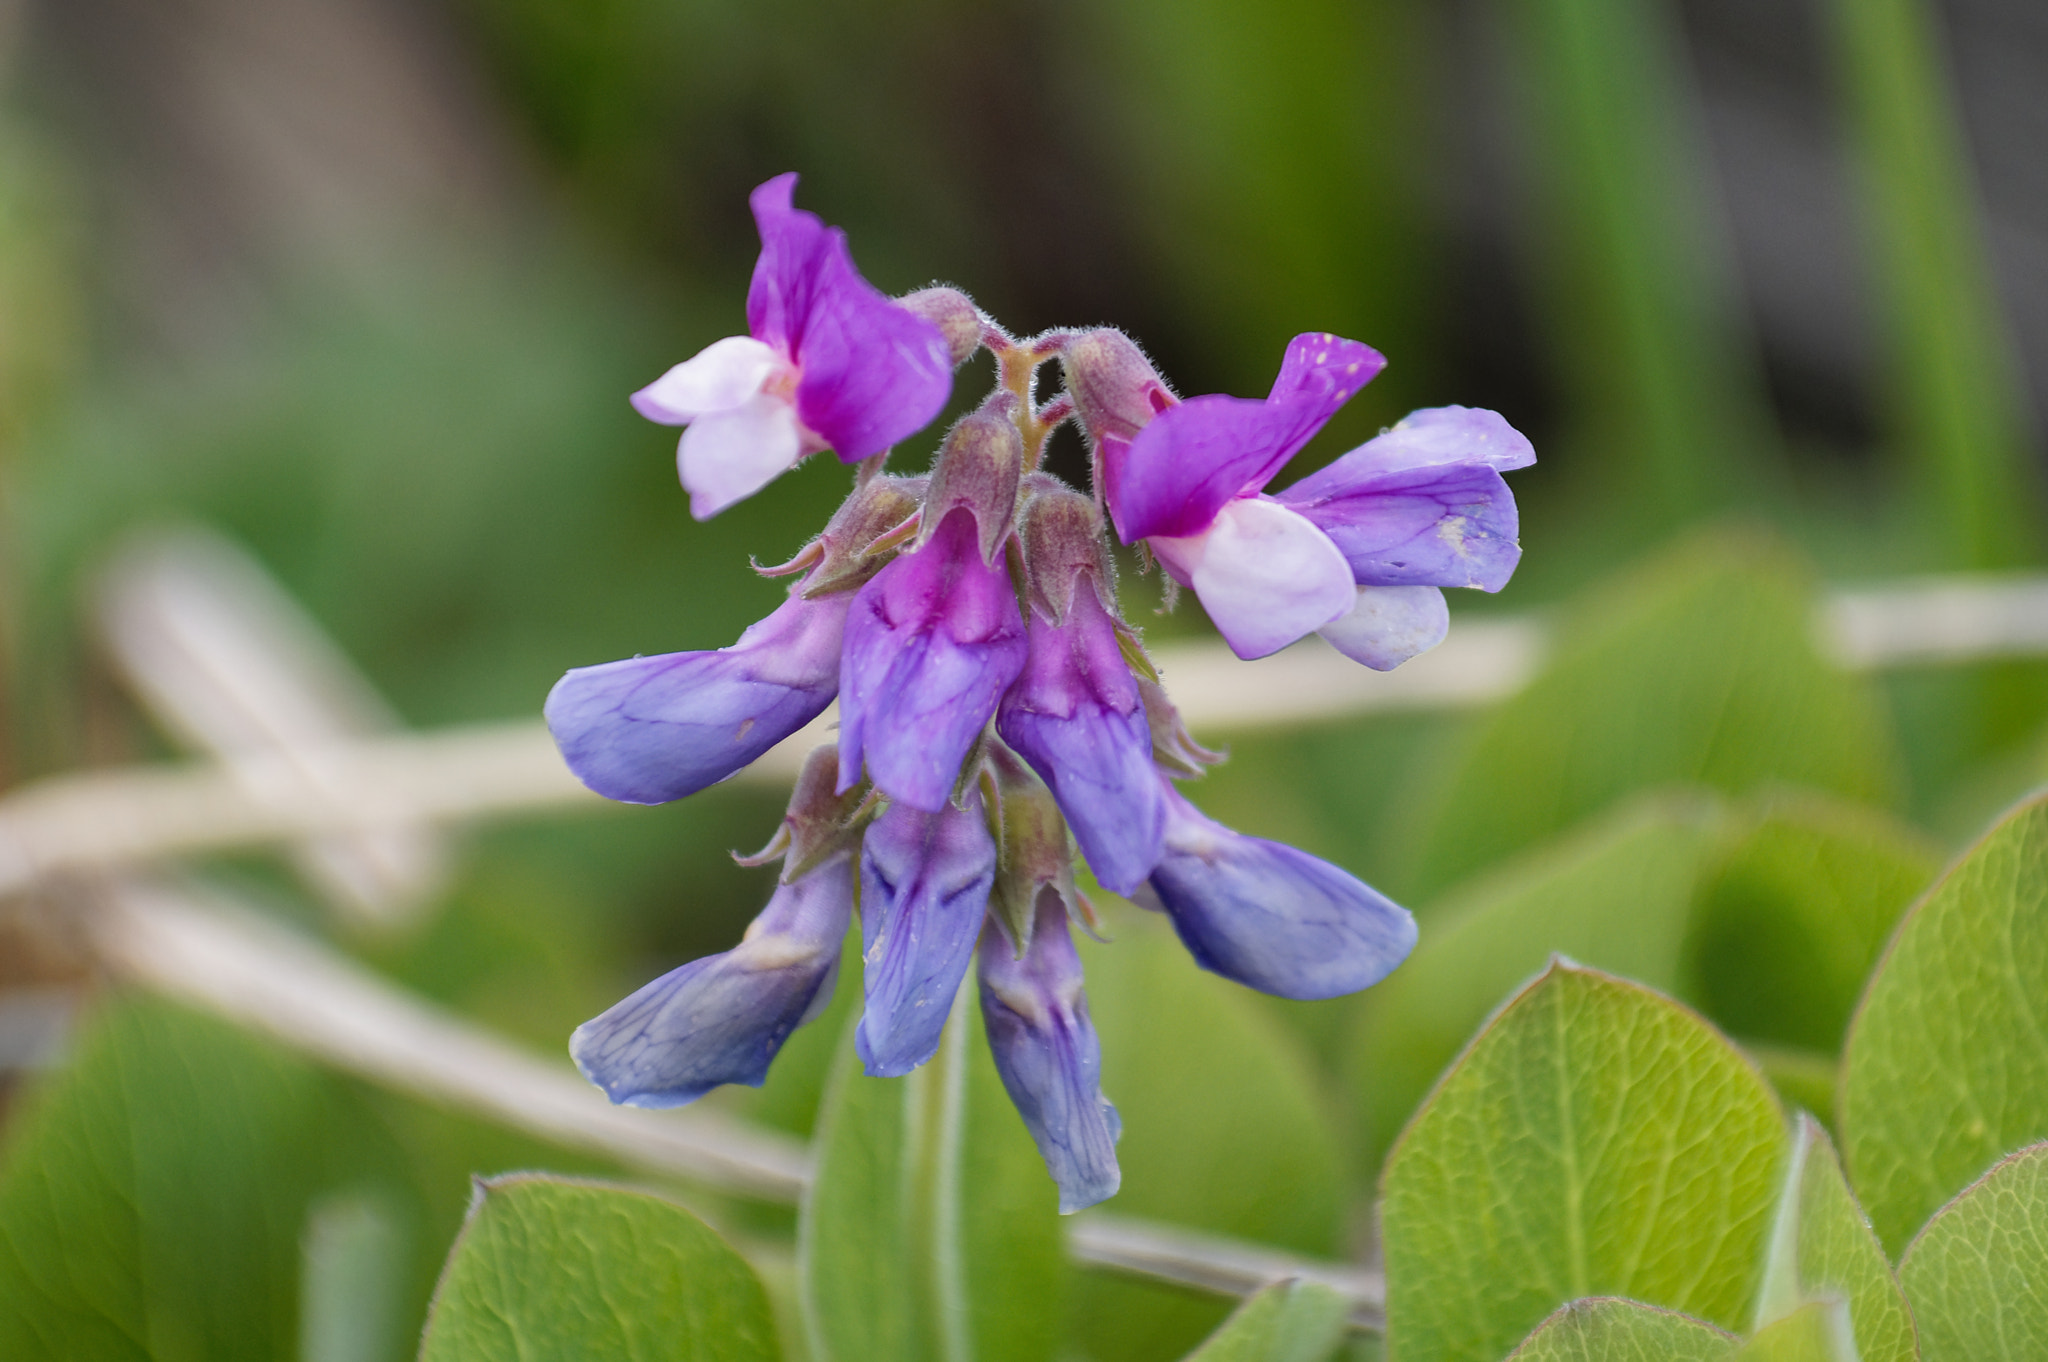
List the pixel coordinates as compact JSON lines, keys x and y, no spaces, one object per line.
{"x":1423,"y":506}
{"x":650,"y":729}
{"x":924,"y":886}
{"x":1047,"y":1054}
{"x":721,"y":1019}
{"x":1270,"y":916}
{"x":829,"y":363}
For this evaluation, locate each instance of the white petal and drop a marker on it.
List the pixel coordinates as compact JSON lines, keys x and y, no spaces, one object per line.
{"x":728,"y":456}
{"x":1264,"y":573}
{"x":723,"y":375}
{"x":1390,"y":624}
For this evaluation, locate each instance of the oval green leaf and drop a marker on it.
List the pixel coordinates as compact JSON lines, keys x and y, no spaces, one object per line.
{"x":1946,"y":1067}
{"x":1818,"y":1331}
{"x":569,"y":1270}
{"x":1595,"y":1139}
{"x":1823,"y":1246}
{"x":1604,"y":1329}
{"x":1286,"y":1322}
{"x":1978,"y":1274}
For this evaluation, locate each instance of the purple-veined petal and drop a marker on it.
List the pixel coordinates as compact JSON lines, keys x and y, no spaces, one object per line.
{"x":721,"y":1019}
{"x":1272,"y":917}
{"x":1076,"y":716}
{"x":1431,"y":438}
{"x":1192,"y":459}
{"x":924,"y":884}
{"x":721,"y":376}
{"x":1389,"y":625}
{"x":1046,"y":1051}
{"x":1442,"y":525}
{"x":931,"y":645}
{"x":1265,"y":575}
{"x":727,"y":456}
{"x":650,"y":729}
{"x":871,"y":373}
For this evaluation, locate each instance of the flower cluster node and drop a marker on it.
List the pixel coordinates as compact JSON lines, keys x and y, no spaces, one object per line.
{"x":997,"y":711}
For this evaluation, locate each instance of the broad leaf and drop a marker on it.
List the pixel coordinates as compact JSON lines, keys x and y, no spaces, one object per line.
{"x":1224,"y":1130}
{"x":1288,"y":1322}
{"x":1792,"y":918}
{"x":1698,"y":668}
{"x":1823,"y":1247}
{"x":154,"y":1193}
{"x":1818,"y":1331}
{"x":1595,"y":1139}
{"x":1615,"y":896}
{"x":932,"y":1230}
{"x":1604,"y":1329}
{"x":1946,"y":1067}
{"x":557,"y":1269}
{"x":1977,"y":1275}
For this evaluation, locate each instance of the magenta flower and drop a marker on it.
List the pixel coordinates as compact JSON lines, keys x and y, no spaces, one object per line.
{"x":931,"y":645}
{"x":1045,"y":1050}
{"x":646,"y":730}
{"x":721,"y":1019}
{"x":829,"y":363}
{"x":1356,"y":551}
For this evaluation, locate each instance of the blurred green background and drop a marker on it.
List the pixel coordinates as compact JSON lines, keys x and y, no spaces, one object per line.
{"x":364,"y":285}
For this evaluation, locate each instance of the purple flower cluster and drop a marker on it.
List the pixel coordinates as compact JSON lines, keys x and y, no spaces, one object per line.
{"x":995,"y":708}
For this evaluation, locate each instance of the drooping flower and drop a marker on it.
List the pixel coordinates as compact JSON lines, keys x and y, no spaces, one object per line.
{"x":829,"y":363}
{"x":1046,"y":1052}
{"x":936,"y":638}
{"x":1356,"y":550}
{"x":1269,"y":916}
{"x":721,"y":1019}
{"x":1075,"y":714}
{"x":924,"y":886}
{"x":646,"y":730}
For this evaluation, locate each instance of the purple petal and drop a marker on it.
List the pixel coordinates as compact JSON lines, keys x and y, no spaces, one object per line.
{"x":871,"y":373}
{"x":1273,"y":917}
{"x":1431,"y":438}
{"x":721,"y":1019}
{"x":1433,"y":525}
{"x":1048,"y":1056}
{"x":650,"y":729}
{"x":932,"y":643}
{"x":924,"y":884}
{"x":1191,"y":459}
{"x":1076,"y":716}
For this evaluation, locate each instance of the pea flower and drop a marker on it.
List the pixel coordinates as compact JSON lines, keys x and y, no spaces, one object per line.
{"x":1356,"y":551}
{"x":829,"y":362}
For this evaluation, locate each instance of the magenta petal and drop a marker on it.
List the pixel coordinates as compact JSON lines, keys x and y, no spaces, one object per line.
{"x":1191,"y":459}
{"x":871,"y":373}
{"x":931,"y":645}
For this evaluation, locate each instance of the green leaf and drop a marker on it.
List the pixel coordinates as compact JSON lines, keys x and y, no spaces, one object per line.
{"x":1615,"y":896}
{"x":1977,"y":1275}
{"x":932,"y":1230}
{"x":1225,"y":1129}
{"x":1286,"y":1322}
{"x":1595,"y":1139}
{"x":1603,"y":1329}
{"x":1946,"y":1067}
{"x":153,"y":1194}
{"x":1698,"y":667}
{"x":556,"y":1269}
{"x":1792,"y":919}
{"x":1818,"y":1331}
{"x":1823,"y":1247}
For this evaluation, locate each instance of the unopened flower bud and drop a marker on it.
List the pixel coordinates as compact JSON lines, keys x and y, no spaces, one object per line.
{"x":979,"y":468}
{"x":1033,"y":855}
{"x":1173,"y":747}
{"x":1116,"y":394}
{"x":954,"y":313}
{"x":860,"y":539}
{"x":820,"y":822}
{"x":1063,"y":544}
